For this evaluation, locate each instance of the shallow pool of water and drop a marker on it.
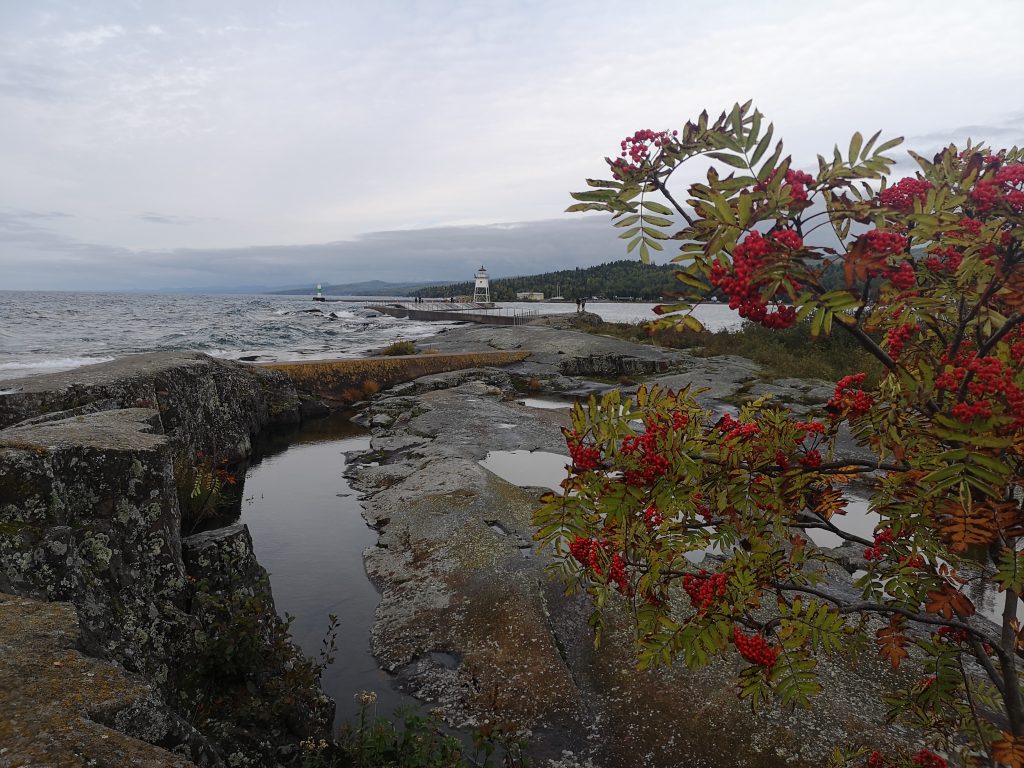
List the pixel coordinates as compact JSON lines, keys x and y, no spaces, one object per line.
{"x":547,"y":403}
{"x":534,"y":469}
{"x":308,"y":532}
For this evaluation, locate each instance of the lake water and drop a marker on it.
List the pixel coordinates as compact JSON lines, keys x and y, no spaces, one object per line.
{"x":54,"y":331}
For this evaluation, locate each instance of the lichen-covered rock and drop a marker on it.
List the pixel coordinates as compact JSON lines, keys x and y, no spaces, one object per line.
{"x":88,"y":514}
{"x":209,"y":405}
{"x":60,"y":707}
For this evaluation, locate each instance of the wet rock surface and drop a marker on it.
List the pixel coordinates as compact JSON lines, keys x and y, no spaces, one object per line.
{"x":467,"y":622}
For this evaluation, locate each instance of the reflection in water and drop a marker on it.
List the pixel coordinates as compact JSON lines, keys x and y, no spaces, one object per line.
{"x":858,"y":520}
{"x":538,"y":469}
{"x":308,"y":532}
{"x":547,"y":403}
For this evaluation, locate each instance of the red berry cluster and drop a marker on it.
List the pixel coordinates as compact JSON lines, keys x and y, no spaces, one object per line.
{"x":943,"y":259}
{"x":901,"y":195}
{"x":971,"y":226}
{"x":912,"y":561}
{"x":742,"y":284}
{"x":987,"y":378}
{"x":754,"y":648}
{"x":584,"y":457}
{"x":652,"y":463}
{"x":896,"y":338}
{"x":812,"y":460}
{"x":617,"y":574}
{"x":1004,"y":187}
{"x":928,"y":759}
{"x":952,"y":635}
{"x":796,"y":183}
{"x":587,"y":552}
{"x":903,"y":276}
{"x":876,"y":552}
{"x":924,"y":758}
{"x":849,"y":399}
{"x":885,"y":243}
{"x":736,"y":430}
{"x":636,"y":148}
{"x":652,"y":518}
{"x":702,"y":589}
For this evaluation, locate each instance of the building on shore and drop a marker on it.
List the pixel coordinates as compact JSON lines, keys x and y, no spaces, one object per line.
{"x":529,"y":296}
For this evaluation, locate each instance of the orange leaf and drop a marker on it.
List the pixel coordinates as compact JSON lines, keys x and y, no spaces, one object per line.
{"x":1009,"y":750}
{"x":891,"y":641}
{"x":962,"y":527}
{"x":948,"y":602}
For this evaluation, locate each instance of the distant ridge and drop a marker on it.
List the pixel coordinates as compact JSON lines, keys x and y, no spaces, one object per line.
{"x":365,"y":288}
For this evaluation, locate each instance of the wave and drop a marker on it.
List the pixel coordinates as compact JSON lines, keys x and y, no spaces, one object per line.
{"x":18,"y":369}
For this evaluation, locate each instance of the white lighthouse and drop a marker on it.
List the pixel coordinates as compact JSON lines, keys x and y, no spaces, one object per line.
{"x":482,"y":288}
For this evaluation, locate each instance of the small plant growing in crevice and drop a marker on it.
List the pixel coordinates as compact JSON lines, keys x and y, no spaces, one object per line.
{"x":204,"y":490}
{"x":399,"y":348}
{"x":413,"y":741}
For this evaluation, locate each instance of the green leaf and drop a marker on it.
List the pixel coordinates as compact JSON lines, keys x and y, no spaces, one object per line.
{"x":734,"y":160}
{"x":855,"y":144}
{"x":888,"y":145}
{"x":650,"y":205}
{"x":1010,"y":570}
{"x":763,"y":145}
{"x":596,"y":196}
{"x":657,"y":221}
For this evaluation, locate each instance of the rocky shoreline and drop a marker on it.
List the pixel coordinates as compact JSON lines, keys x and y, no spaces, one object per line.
{"x":469,"y":620}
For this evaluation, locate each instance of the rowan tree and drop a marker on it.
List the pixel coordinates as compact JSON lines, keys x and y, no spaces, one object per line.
{"x":934,"y":289}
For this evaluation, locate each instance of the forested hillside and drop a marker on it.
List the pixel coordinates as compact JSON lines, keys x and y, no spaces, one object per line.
{"x":626,"y":279}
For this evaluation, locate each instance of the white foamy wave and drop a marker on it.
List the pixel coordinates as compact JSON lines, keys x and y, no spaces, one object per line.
{"x":19,"y":369}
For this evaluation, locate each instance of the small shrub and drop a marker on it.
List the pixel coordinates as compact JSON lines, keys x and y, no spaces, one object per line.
{"x":399,"y":348}
{"x":370,"y":387}
{"x":412,"y":741}
{"x":203,"y":490}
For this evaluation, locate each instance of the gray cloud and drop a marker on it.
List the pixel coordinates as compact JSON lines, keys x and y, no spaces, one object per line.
{"x":441,"y":253}
{"x":159,"y":218}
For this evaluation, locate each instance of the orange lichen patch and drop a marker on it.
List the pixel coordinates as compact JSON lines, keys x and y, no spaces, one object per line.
{"x":347,"y":380}
{"x":48,"y":690}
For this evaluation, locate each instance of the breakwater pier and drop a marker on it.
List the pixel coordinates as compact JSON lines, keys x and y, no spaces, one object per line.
{"x":469,"y":312}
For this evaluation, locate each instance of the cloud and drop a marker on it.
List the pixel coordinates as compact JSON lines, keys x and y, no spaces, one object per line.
{"x":171,"y":130}
{"x":440,"y":253}
{"x":89,"y":39}
{"x":159,"y":218}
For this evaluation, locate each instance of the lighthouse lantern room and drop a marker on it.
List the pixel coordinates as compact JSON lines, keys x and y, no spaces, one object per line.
{"x":482,"y":289}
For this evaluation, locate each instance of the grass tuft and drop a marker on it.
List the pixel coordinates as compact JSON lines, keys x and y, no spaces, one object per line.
{"x":789,"y":353}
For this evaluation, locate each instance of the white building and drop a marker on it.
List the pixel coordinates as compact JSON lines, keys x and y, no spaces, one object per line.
{"x":482,"y":288}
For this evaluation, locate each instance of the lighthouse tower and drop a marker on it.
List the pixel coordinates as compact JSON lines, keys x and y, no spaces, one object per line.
{"x":482,"y":289}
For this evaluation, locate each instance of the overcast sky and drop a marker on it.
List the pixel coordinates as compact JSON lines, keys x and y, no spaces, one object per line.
{"x":172,"y":144}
